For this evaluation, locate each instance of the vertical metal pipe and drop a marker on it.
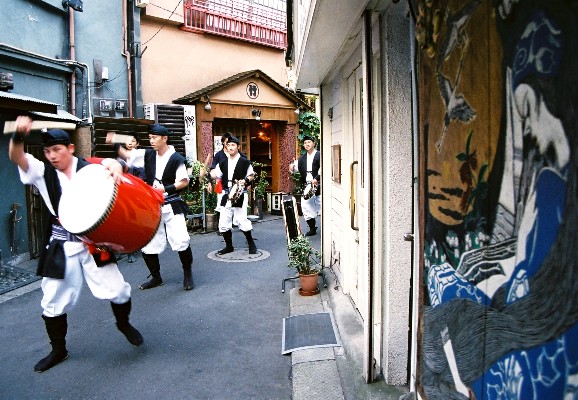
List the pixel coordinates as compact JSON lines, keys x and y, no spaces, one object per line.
{"x":71,"y":44}
{"x":369,"y":370}
{"x":126,"y":53}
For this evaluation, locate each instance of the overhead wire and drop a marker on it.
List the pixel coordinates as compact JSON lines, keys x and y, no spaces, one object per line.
{"x":164,"y":23}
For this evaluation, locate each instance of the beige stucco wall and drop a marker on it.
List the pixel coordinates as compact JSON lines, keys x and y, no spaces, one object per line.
{"x":176,"y":62}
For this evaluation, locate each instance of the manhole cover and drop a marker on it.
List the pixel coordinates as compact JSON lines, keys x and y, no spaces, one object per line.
{"x":239,"y":255}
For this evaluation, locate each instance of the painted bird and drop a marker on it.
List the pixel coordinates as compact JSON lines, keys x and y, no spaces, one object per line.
{"x":455,"y":34}
{"x":457,"y":108}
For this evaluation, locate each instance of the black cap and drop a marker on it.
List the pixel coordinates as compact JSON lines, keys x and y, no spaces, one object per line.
{"x":158,"y":129}
{"x":308,"y":137}
{"x":233,"y":139}
{"x":53,"y":137}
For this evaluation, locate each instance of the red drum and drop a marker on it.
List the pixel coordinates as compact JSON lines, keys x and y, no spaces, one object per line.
{"x":123,"y":217}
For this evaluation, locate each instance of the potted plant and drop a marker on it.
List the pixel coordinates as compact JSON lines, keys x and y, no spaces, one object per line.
{"x":211,"y":217}
{"x":193,"y":195}
{"x":259,"y":186}
{"x":297,"y":190}
{"x":303,"y":257}
{"x":198,"y":187}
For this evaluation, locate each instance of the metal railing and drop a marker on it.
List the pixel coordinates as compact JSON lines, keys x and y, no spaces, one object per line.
{"x":238,"y":19}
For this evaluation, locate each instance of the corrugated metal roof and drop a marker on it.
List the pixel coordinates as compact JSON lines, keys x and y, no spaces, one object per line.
{"x":14,"y":96}
{"x":195,"y":96}
{"x":60,"y":115}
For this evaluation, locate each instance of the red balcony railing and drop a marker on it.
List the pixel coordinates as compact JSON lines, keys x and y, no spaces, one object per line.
{"x":238,"y":19}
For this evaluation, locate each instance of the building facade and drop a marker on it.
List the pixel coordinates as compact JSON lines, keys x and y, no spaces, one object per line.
{"x":80,"y":60}
{"x":449,"y":126}
{"x":359,"y":60}
{"x":180,"y":55}
{"x":209,"y":66}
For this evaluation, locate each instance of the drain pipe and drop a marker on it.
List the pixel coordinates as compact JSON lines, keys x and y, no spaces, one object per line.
{"x":72,"y":58}
{"x":126,"y":54}
{"x":88,"y":98}
{"x":369,"y":361}
{"x":58,"y":61}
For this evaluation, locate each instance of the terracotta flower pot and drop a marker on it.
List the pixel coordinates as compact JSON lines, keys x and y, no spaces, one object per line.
{"x":309,"y":284}
{"x":211,"y":222}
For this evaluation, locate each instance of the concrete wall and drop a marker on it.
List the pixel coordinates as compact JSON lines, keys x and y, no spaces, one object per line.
{"x":395,"y":146}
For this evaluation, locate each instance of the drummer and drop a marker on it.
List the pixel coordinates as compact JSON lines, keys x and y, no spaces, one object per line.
{"x":166,"y":172}
{"x":219,"y":156}
{"x":64,"y":259}
{"x":309,"y":167}
{"x":231,"y":170}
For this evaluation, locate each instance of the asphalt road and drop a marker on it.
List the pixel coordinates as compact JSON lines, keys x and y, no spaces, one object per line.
{"x":221,"y":340}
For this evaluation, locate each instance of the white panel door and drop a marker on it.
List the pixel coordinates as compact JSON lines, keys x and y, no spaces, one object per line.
{"x":358,"y":224}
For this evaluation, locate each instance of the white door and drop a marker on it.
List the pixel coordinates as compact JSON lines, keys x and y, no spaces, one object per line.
{"x":358,"y":224}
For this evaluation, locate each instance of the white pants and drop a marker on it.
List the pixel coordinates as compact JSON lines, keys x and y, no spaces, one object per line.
{"x":220,"y":207}
{"x":311,"y":207}
{"x":172,"y":228}
{"x":106,"y":283}
{"x":238,"y":214}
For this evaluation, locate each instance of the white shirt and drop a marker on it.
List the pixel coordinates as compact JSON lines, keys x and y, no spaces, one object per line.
{"x":136,"y":159}
{"x":309,"y":165}
{"x":217,"y":173}
{"x":35,"y":176}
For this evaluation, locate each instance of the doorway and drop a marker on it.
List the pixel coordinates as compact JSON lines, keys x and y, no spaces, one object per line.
{"x":259,"y":141}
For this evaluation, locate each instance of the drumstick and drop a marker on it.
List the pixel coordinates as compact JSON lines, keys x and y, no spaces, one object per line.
{"x":10,"y":126}
{"x":120,"y":138}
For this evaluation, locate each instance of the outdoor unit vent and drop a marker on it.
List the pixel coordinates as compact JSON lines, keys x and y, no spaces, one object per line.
{"x":141,"y":3}
{"x":172,"y":117}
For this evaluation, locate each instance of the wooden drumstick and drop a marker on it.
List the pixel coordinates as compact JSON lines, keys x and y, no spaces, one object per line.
{"x":120,"y":138}
{"x":10,"y":126}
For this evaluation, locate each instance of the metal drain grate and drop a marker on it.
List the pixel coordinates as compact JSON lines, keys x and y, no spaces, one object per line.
{"x":12,"y":278}
{"x":305,"y":331}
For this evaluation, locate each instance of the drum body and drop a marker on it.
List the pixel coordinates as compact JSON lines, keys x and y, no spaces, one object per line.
{"x":123,"y":217}
{"x":235,"y":194}
{"x":309,"y":190}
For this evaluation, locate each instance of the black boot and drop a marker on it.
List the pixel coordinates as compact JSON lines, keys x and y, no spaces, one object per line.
{"x":186,"y":257}
{"x":250,"y":242}
{"x":228,"y":236}
{"x":56,"y":327}
{"x":154,"y":266}
{"x":312,"y":227}
{"x":121,"y":313}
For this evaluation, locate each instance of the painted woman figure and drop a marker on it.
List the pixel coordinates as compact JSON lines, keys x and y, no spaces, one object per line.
{"x":514,"y":331}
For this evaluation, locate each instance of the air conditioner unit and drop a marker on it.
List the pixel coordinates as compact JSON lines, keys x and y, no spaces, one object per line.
{"x":178,"y":119}
{"x":141,"y":3}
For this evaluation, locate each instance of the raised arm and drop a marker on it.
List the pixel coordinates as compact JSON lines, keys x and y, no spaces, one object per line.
{"x":16,"y":147}
{"x":111,"y":138}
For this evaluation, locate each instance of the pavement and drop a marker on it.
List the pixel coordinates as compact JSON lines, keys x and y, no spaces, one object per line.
{"x":330,"y":373}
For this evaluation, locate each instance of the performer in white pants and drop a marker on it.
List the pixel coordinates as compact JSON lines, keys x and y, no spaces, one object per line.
{"x":309,"y":167}
{"x":64,"y":259}
{"x":234,"y":169}
{"x":165,"y":171}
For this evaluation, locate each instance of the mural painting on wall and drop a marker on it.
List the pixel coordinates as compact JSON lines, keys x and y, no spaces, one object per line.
{"x":498,"y":95}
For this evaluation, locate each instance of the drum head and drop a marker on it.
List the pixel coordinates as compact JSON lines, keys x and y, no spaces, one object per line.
{"x":308,"y":191}
{"x":87,"y":200}
{"x":235,"y":192}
